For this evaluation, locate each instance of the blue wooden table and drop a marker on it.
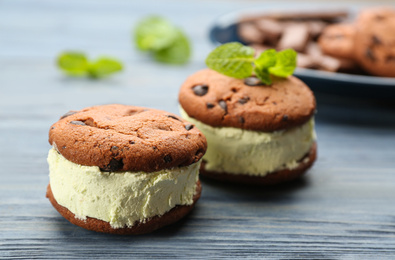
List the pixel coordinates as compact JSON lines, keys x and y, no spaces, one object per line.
{"x":344,"y":208}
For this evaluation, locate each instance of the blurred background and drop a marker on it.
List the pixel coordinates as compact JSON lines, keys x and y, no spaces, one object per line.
{"x":34,"y":33}
{"x":343,"y":208}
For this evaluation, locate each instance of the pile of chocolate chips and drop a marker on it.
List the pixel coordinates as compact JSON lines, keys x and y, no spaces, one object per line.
{"x":298,"y":31}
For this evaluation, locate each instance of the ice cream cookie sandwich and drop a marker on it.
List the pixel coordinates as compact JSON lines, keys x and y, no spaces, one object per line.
{"x":256,"y":133}
{"x":124,"y":169}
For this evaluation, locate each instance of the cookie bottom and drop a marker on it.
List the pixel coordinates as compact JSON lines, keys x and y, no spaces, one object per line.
{"x":270,"y":179}
{"x":149,"y":225}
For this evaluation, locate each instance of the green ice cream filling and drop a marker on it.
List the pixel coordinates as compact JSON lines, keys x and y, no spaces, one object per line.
{"x":121,"y":198}
{"x":240,"y":151}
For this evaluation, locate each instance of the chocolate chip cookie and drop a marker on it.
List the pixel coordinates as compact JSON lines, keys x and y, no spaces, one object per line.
{"x":253,"y":130}
{"x":337,"y":40}
{"x":126,"y":138}
{"x":375,"y":41}
{"x":124,"y":169}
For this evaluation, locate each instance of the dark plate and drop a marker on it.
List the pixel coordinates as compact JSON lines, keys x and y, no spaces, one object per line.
{"x":224,"y":29}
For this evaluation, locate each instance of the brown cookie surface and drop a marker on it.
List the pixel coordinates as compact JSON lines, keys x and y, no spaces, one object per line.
{"x":273,"y":178}
{"x":219,"y":100}
{"x":375,"y":41}
{"x":127,"y":138}
{"x":149,"y":225}
{"x":338,"y":40}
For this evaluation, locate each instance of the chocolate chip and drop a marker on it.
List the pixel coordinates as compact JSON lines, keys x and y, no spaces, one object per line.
{"x":209,"y":105}
{"x":244,"y":100}
{"x":200,"y":90}
{"x":380,"y":17}
{"x":252,"y":81}
{"x":369,"y":54}
{"x":114,"y":148}
{"x":390,"y":59}
{"x":71,"y":112}
{"x":241,"y":120}
{"x":376,"y":40}
{"x":234,"y":90}
{"x":53,"y":127}
{"x":77,"y":123}
{"x":174,"y":117}
{"x":168,"y":158}
{"x":285,"y":118}
{"x":113,"y":166}
{"x":131,"y":142}
{"x":154,"y":147}
{"x":188,"y":127}
{"x":223,"y":105}
{"x":64,"y":147}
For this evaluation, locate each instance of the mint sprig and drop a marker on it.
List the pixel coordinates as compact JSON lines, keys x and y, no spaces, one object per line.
{"x":77,"y":64}
{"x":177,"y":53}
{"x":103,"y":67}
{"x":238,"y":61}
{"x":154,"y":33}
{"x":285,"y":63}
{"x":263,"y":63}
{"x":73,"y":63}
{"x":164,"y":41}
{"x":232,"y":59}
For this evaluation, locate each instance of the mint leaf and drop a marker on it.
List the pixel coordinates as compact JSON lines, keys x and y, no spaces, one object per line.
{"x":103,"y":67}
{"x":285,"y":63}
{"x":263,"y":75}
{"x":165,"y":42}
{"x":266,"y":59}
{"x":155,"y":33}
{"x":177,"y":53}
{"x":232,"y":59}
{"x":73,"y":63}
{"x":237,"y":61}
{"x":76,"y":64}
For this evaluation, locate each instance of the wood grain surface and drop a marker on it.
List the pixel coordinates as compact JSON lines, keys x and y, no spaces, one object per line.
{"x":344,"y":208}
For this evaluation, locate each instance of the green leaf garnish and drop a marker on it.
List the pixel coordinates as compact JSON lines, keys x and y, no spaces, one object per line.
{"x":177,"y":53}
{"x":76,"y":64}
{"x":104,"y":67}
{"x":237,"y":61}
{"x":285,"y":64}
{"x":164,"y":41}
{"x":232,"y":59}
{"x":154,"y":33}
{"x":73,"y":63}
{"x":265,"y":60}
{"x":263,"y":75}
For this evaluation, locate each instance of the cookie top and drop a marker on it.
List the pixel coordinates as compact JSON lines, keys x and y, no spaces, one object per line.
{"x":127,"y":138}
{"x":375,"y":41}
{"x":338,"y":40}
{"x":222,"y":101}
